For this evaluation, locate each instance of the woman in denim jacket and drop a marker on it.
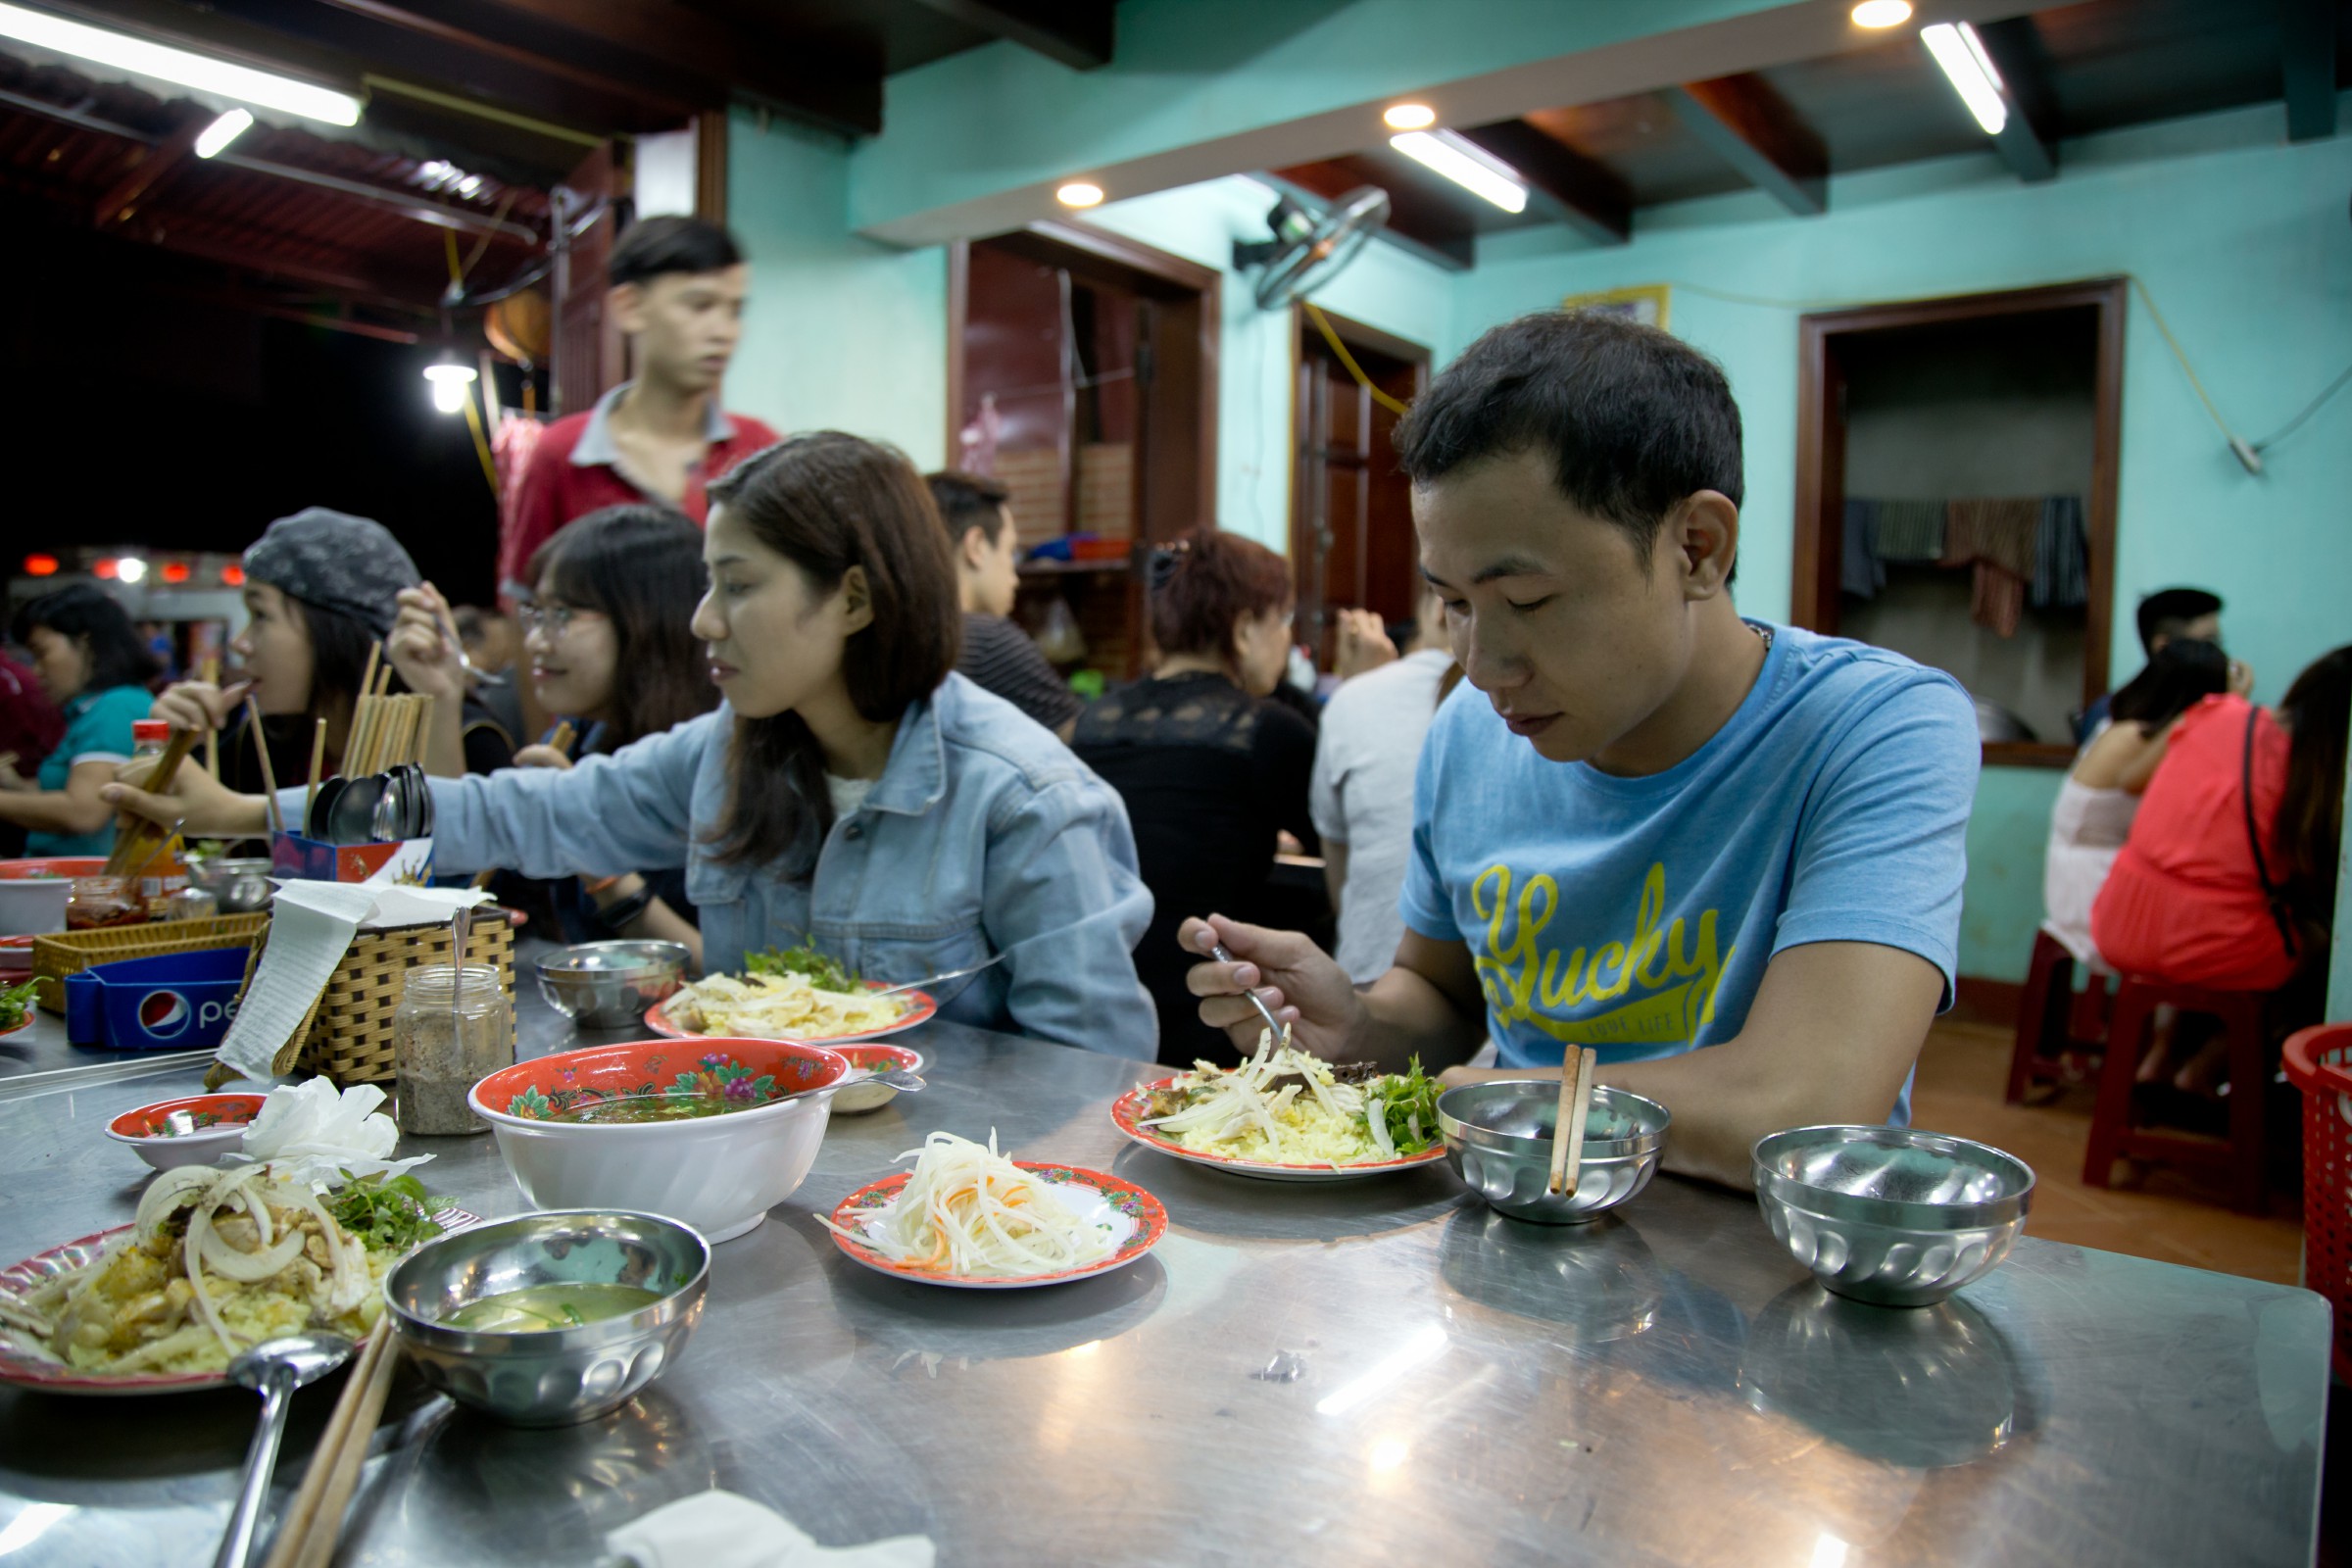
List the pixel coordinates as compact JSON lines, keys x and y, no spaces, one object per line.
{"x":854,"y":791}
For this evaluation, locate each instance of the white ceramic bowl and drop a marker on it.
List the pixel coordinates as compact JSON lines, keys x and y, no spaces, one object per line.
{"x":33,"y":893}
{"x":718,"y":1173}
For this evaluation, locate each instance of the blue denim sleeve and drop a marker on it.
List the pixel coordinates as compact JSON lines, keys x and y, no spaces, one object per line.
{"x":1064,"y":904}
{"x":1881,"y":850}
{"x":629,"y":812}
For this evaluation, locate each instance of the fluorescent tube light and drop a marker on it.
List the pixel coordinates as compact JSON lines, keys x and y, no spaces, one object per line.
{"x":221,"y":132}
{"x":1462,"y":162}
{"x":1961,"y":54}
{"x":180,"y":66}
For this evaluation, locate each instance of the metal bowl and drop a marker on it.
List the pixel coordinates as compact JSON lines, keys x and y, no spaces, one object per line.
{"x":238,"y":884}
{"x":554,"y":1377}
{"x":1498,"y":1140}
{"x":609,"y":985}
{"x":1890,"y":1215}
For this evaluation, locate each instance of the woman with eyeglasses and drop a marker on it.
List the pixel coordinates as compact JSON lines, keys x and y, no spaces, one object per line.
{"x":608,"y":639}
{"x":853,"y":790}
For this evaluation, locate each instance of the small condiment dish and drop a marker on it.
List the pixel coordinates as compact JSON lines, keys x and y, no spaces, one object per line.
{"x":861,"y":1092}
{"x":195,"y":1131}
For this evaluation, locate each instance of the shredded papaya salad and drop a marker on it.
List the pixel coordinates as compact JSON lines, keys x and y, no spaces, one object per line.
{"x":970,"y":1212}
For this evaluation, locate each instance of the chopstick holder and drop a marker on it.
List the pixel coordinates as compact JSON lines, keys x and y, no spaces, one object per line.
{"x":1568,"y":1130}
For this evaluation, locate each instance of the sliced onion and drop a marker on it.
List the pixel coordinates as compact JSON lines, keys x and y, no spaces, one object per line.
{"x":165,"y":1194}
{"x":248,"y":1268}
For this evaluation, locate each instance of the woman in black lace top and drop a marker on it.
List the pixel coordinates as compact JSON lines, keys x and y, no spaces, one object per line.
{"x":1211,"y":770}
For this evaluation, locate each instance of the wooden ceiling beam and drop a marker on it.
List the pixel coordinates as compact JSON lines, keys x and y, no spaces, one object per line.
{"x":1751,"y":126}
{"x":2029,"y":138}
{"x":121,"y":198}
{"x":658,"y":54}
{"x":1079,"y":33}
{"x":1414,"y":220}
{"x":2307,"y":35}
{"x":1592,"y":199}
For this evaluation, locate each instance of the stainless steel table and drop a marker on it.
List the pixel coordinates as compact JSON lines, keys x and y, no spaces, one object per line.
{"x":1379,"y":1372}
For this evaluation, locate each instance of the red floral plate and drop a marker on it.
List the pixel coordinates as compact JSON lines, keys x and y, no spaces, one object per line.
{"x":921,"y":1007}
{"x":1104,"y":1198}
{"x":1130,"y":1110}
{"x":27,"y":1370}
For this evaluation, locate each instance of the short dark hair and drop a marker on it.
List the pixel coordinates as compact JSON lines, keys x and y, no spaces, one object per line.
{"x":2310,"y":830}
{"x":653,"y":246}
{"x":828,"y":502}
{"x":969,"y":501}
{"x":86,"y":612}
{"x":1633,"y":418}
{"x":2168,"y":612}
{"x":1203,"y":585}
{"x":641,"y":568}
{"x":2184,"y":673}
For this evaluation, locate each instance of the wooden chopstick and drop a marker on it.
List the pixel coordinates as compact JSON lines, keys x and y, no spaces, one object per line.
{"x":261,"y":749}
{"x":1568,"y":1131}
{"x":310,"y":799}
{"x":313,"y":1519}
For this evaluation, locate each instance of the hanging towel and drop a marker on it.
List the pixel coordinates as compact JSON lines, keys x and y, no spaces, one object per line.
{"x":1996,"y":537}
{"x":1911,"y":530}
{"x":1860,"y":572}
{"x":2061,"y":555}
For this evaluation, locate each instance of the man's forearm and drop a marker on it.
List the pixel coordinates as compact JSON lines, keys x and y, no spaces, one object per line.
{"x":1404,"y":1016}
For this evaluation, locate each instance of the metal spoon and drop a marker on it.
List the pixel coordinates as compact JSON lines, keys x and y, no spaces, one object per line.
{"x":930,"y":980}
{"x":274,"y":1369}
{"x":456,"y":646}
{"x":1216,"y":950}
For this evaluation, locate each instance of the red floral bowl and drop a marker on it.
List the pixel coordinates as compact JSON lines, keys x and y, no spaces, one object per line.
{"x":862,"y":1094}
{"x":195,"y":1131}
{"x":735,"y":1150}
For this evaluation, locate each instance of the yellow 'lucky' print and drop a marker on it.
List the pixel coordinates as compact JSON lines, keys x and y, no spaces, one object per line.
{"x":1677,"y":980}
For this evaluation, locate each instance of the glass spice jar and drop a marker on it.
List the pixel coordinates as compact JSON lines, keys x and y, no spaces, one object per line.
{"x":99,"y":901}
{"x":454,"y":1028}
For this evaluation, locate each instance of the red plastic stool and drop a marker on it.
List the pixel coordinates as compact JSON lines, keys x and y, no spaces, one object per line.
{"x":2113,"y":1134}
{"x":2319,"y":1061}
{"x":2058,"y":1029}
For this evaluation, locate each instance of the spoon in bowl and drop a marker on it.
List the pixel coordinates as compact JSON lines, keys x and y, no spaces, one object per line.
{"x":274,"y":1369}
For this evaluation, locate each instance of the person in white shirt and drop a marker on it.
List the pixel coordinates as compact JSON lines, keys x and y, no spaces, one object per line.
{"x":1362,"y":792}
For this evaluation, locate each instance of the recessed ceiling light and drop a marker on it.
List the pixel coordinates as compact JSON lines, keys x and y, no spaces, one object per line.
{"x":182,"y":66}
{"x":1410,"y":117}
{"x":1079,"y":193}
{"x":1881,"y":13}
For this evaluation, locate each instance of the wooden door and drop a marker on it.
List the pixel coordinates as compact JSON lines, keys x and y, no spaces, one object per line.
{"x":1351,"y":520}
{"x":590,"y":355}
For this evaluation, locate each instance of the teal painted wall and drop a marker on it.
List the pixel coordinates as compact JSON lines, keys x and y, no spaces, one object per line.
{"x":1383,"y":287}
{"x":2246,"y":244}
{"x":1002,"y":118}
{"x":841,"y":332}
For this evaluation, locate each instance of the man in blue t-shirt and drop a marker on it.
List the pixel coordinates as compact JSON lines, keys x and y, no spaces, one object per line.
{"x":1725,"y":855}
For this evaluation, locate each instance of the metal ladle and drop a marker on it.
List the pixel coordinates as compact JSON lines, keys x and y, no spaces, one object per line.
{"x":274,"y":1369}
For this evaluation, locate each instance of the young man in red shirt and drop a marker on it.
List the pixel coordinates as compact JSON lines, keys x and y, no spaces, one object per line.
{"x":678,"y":286}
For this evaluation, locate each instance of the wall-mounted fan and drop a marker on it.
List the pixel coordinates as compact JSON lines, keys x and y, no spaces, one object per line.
{"x":1309,"y":249}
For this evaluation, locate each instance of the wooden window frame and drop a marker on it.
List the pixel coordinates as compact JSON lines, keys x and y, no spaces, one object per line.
{"x":1820,"y":519}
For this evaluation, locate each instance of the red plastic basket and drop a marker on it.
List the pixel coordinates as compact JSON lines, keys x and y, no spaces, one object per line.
{"x":2319,"y":1061}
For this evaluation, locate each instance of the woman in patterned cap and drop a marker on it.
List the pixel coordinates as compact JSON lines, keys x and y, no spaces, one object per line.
{"x":322,"y":589}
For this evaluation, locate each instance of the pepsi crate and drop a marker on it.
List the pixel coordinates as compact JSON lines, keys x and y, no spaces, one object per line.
{"x":67,"y":953}
{"x":180,"y":1002}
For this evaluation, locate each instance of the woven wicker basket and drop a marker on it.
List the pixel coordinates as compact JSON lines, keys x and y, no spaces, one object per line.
{"x":347,"y":1035}
{"x":71,"y":952}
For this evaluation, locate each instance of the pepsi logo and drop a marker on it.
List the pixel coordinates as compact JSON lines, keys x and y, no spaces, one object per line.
{"x":165,"y":1015}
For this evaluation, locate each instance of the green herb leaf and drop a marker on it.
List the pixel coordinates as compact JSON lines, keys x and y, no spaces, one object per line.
{"x":825,"y":974}
{"x":387,"y":1215}
{"x":16,"y":1003}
